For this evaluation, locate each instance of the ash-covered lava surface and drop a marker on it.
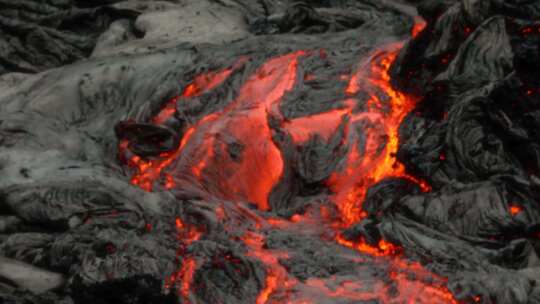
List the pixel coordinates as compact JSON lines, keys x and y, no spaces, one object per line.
{"x":269,"y":152}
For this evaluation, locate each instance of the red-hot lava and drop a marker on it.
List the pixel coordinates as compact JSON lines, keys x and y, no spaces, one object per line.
{"x":384,"y":111}
{"x":181,"y":279}
{"x":204,"y":159}
{"x":244,"y":123}
{"x":419,"y":25}
{"x":276,"y":274}
{"x":149,"y":171}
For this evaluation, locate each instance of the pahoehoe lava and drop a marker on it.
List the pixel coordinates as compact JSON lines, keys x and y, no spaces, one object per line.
{"x":270,"y":151}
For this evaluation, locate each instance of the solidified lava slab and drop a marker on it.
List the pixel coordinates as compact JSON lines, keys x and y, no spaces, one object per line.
{"x":270,"y":152}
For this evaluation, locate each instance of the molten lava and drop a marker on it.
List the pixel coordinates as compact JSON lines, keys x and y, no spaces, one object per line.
{"x":206,"y":144}
{"x":251,"y":175}
{"x":515,"y":209}
{"x":376,"y":161}
{"x":181,"y":279}
{"x":230,"y":154}
{"x":419,"y":25}
{"x":276,"y":274}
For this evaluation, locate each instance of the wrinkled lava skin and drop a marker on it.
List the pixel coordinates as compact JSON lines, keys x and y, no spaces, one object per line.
{"x":327,"y":156}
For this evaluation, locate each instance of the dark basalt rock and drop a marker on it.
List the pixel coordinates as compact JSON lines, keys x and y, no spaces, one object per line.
{"x":38,"y":35}
{"x":471,"y":137}
{"x":146,"y":139}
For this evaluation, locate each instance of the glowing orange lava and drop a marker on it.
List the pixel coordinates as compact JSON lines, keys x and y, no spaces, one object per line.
{"x":230,"y":154}
{"x":425,"y":288}
{"x":187,"y":234}
{"x":419,"y":25}
{"x":201,"y":84}
{"x":408,"y":291}
{"x":276,"y":275}
{"x":242,"y":123}
{"x":324,"y":125}
{"x":364,"y":168}
{"x":383,"y":248}
{"x":515,"y":209}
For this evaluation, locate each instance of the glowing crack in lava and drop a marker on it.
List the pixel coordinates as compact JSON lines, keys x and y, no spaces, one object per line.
{"x":231,"y":155}
{"x":187,"y":234}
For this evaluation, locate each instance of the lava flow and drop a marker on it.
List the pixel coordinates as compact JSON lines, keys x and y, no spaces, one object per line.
{"x":364,"y":168}
{"x":230,"y":154}
{"x":187,"y":234}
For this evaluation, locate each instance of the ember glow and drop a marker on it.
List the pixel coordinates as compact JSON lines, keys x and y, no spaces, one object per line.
{"x":203,"y":159}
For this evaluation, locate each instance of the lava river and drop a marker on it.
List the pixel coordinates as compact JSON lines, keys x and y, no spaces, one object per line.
{"x":231,"y":155}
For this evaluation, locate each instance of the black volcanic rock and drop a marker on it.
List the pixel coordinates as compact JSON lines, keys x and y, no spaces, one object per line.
{"x":472,"y":136}
{"x":39,"y":35}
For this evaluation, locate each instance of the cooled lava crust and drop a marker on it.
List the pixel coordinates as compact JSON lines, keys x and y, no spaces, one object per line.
{"x":270,"y":152}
